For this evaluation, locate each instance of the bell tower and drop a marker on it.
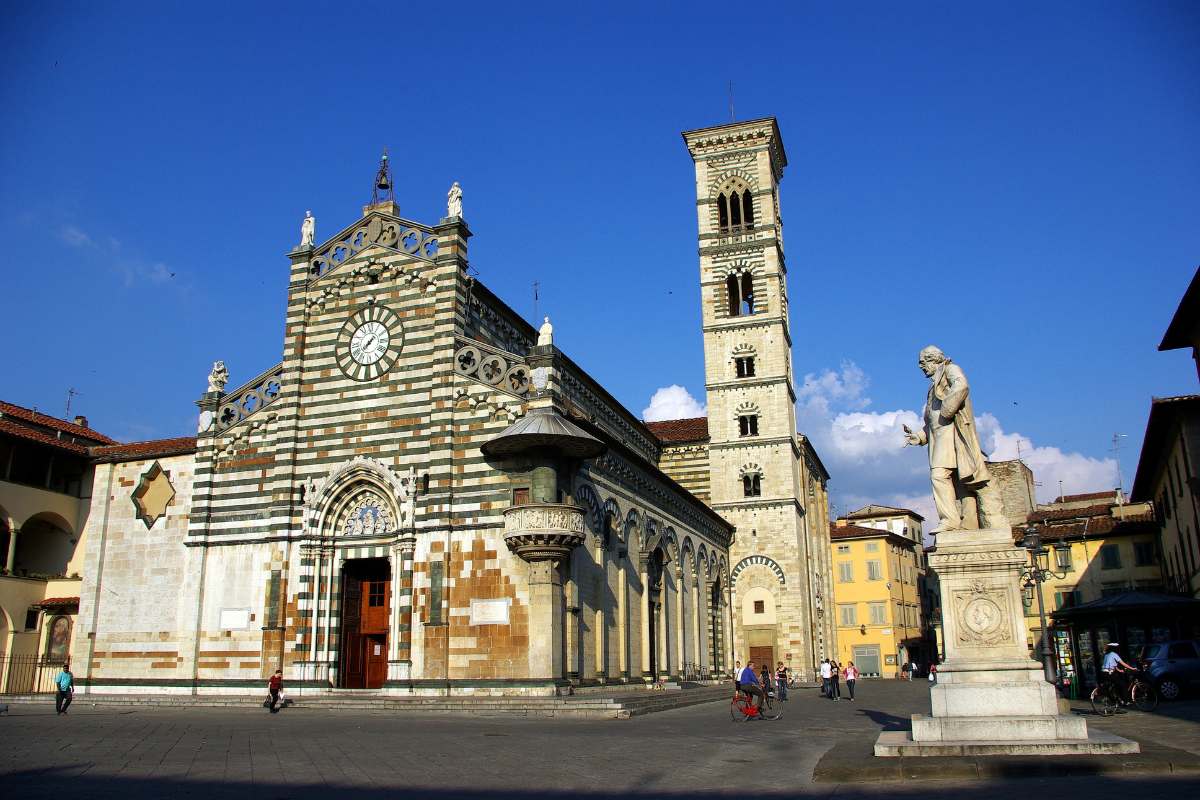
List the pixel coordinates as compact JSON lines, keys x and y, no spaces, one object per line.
{"x":758,"y":468}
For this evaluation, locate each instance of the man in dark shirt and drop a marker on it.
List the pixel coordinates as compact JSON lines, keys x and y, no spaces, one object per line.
{"x":275,"y":686}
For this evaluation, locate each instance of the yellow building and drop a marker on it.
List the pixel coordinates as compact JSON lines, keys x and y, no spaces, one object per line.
{"x":877,"y":601}
{"x":45,"y":476}
{"x":1098,"y":546}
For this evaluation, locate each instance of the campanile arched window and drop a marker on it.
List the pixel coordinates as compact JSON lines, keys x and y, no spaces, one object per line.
{"x":735,"y":207}
{"x":740,"y":291}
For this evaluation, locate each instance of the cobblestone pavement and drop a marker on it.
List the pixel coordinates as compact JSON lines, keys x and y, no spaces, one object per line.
{"x":695,"y":752}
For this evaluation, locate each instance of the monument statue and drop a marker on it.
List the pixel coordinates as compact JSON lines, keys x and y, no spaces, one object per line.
{"x":454,"y":201}
{"x":962,"y":489}
{"x":308,"y":229}
{"x":545,"y":333}
{"x":218,"y":377}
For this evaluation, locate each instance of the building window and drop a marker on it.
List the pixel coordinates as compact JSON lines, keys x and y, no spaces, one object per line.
{"x":744,"y":366}
{"x":843,"y":548}
{"x":739,"y":291}
{"x":845,"y":572}
{"x":752,"y":485}
{"x":1143,"y":554}
{"x":735,"y":211}
{"x":1062,"y":558}
{"x":375,"y":593}
{"x":760,"y":606}
{"x":848,"y":614}
{"x":874,"y":571}
{"x":1066,"y":599}
{"x":1110,"y":557}
{"x":1110,"y":589}
{"x":31,"y":618}
{"x":748,"y":425}
{"x":436,"y":573}
{"x":878,"y":613}
{"x":872,"y":547}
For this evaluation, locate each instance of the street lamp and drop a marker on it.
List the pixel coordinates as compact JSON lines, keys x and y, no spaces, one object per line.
{"x":1033,"y":577}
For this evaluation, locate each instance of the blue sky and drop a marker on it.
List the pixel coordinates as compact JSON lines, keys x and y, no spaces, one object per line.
{"x":1037,"y":160}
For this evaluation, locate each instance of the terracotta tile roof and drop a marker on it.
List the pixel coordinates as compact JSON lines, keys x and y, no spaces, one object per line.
{"x":1100,"y":510}
{"x":863,"y":532}
{"x":135,"y":451}
{"x":1092,"y":527}
{"x":680,"y":430}
{"x":866,"y":512}
{"x":1075,"y":498}
{"x":57,"y":602}
{"x":41,"y":437}
{"x":45,"y":420}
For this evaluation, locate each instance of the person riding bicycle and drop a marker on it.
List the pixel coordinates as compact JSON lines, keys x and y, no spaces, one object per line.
{"x":1115,"y":671}
{"x":748,"y":683}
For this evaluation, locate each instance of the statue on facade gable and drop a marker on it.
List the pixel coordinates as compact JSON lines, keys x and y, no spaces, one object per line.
{"x":308,"y":230}
{"x":545,"y":334}
{"x":962,"y":488}
{"x":218,"y":377}
{"x":454,"y":201}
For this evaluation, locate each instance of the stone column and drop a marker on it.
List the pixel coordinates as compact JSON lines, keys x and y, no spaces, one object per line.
{"x":10,"y":558}
{"x":622,"y":617}
{"x":545,"y":605}
{"x":312,"y":554}
{"x":647,"y":610}
{"x":698,"y":622}
{"x":400,"y":640}
{"x":680,"y":624}
{"x":664,"y":632}
{"x":600,"y":629}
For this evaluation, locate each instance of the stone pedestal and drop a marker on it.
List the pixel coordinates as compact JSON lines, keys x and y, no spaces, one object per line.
{"x":990,"y":696}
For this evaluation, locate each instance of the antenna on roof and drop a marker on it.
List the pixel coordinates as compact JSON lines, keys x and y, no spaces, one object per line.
{"x":536,"y":284}
{"x":732,"y":118}
{"x":1116,"y":450}
{"x":70,"y":394}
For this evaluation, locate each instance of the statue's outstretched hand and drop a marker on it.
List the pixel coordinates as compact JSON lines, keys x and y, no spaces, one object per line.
{"x":911,"y":438}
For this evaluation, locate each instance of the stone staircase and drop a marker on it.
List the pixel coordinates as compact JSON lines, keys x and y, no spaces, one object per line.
{"x":620,"y":703}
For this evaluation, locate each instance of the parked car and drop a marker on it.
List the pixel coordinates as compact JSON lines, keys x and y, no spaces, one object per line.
{"x":1173,"y":666}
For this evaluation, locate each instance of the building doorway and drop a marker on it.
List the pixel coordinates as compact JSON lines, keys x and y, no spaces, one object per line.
{"x":366,"y":602}
{"x":866,"y":659}
{"x":763,"y":655}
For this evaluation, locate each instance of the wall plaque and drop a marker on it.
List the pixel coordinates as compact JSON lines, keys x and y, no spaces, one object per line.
{"x":489,"y":612}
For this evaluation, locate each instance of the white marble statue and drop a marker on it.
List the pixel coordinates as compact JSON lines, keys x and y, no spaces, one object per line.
{"x":545,"y":333}
{"x":218,"y":377}
{"x":454,"y":201}
{"x":308,"y":229}
{"x":408,"y":498}
{"x":962,"y":489}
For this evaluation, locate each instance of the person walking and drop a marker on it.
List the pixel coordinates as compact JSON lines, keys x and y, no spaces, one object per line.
{"x":933,"y":673}
{"x":835,"y":690}
{"x":764,"y":675}
{"x":274,"y":687}
{"x":826,"y":673}
{"x":781,"y":681}
{"x":64,"y":682}
{"x":851,"y":679}
{"x":737,"y":676}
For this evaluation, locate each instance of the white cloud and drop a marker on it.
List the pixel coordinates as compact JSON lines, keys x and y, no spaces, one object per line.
{"x":1050,"y":465}
{"x":672,"y":402}
{"x":75,"y":237}
{"x":869,"y":463}
{"x":132,"y":271}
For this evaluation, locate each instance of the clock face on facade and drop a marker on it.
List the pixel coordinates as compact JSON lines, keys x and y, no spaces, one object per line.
{"x":369,"y":343}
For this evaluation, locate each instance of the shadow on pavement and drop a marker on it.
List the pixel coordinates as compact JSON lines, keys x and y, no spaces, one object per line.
{"x":886,"y":721}
{"x":44,"y":783}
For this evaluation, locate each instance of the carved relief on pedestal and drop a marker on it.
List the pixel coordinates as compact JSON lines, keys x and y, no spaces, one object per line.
{"x":983,"y":616}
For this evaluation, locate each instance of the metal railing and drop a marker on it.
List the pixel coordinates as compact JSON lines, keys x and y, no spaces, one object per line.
{"x":27,"y":674}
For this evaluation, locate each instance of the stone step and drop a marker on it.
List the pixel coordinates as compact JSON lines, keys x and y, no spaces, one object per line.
{"x":578,"y":706}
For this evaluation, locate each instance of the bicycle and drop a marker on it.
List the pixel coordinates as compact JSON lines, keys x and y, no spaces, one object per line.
{"x":1107,"y":699}
{"x":742,"y":708}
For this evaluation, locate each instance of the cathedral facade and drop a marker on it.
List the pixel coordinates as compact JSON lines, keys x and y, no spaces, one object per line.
{"x":426,"y":495}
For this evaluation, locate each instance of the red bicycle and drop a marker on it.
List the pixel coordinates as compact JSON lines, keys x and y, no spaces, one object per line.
{"x":742,"y":708}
